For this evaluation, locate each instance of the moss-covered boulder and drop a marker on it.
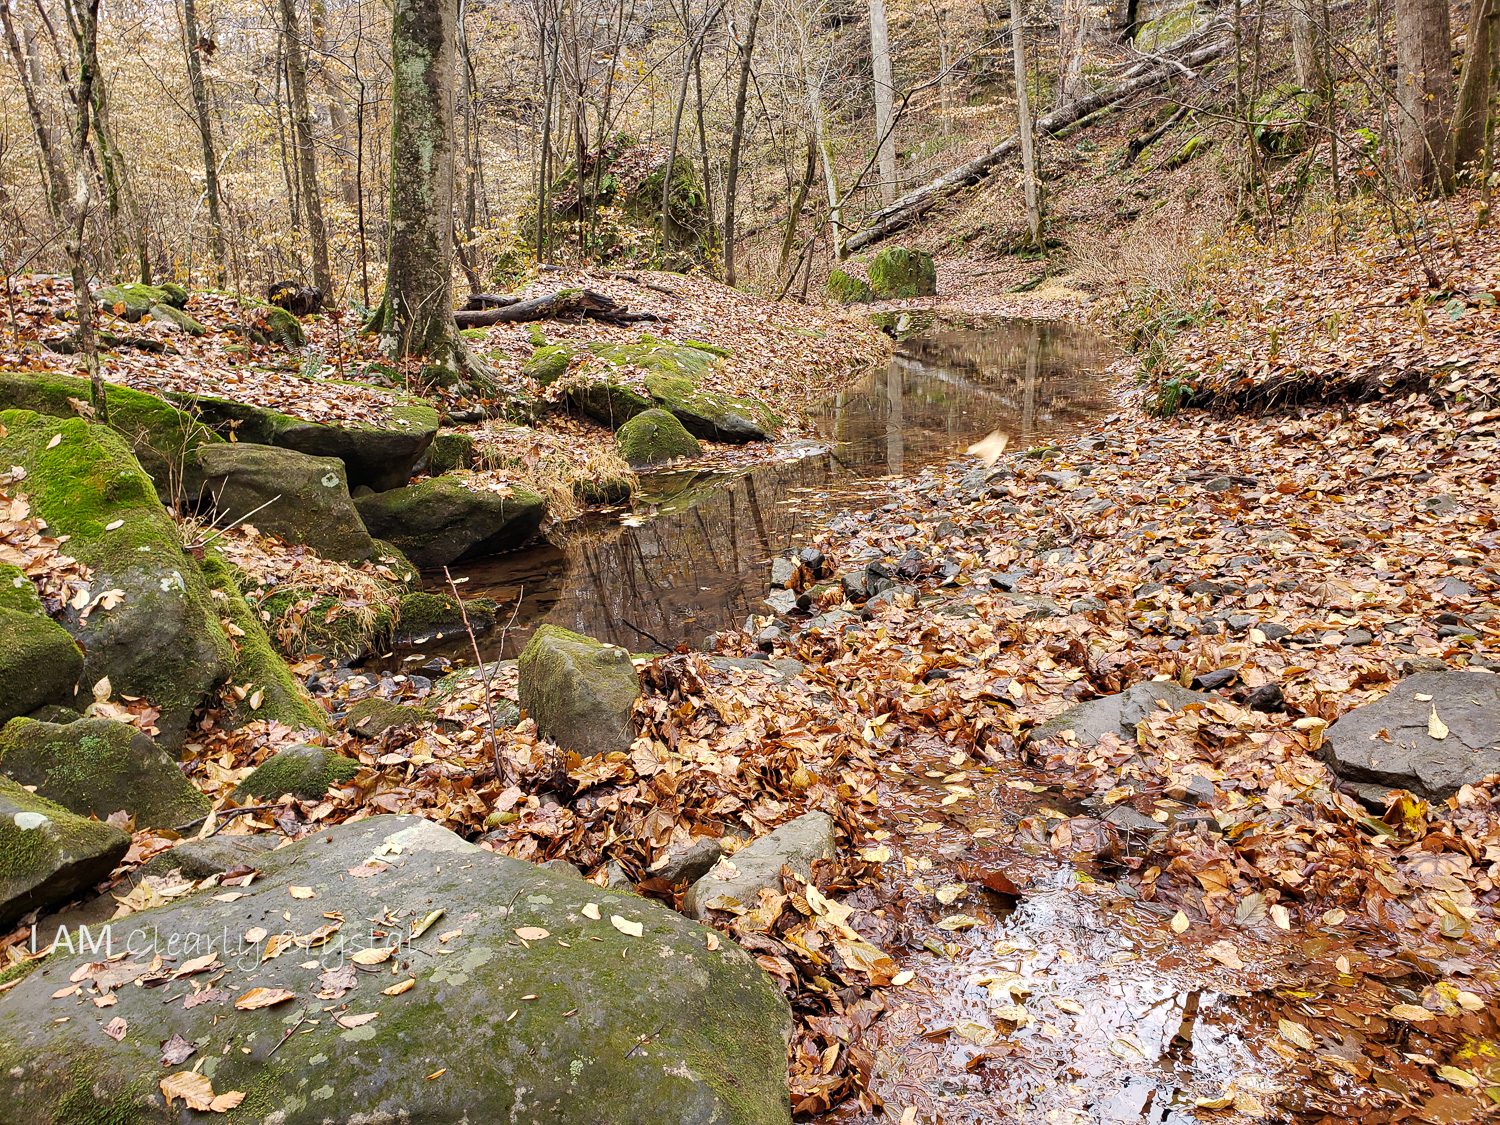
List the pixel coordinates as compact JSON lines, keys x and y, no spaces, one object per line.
{"x":548,"y":363}
{"x":95,"y":767}
{"x":899,"y":272}
{"x":263,"y":687}
{"x":710,"y":415}
{"x":163,"y":437}
{"x":161,"y":639}
{"x":449,"y":451}
{"x":47,"y":856}
{"x":373,"y":716}
{"x":653,"y":437}
{"x":268,"y":324}
{"x":39,"y":663}
{"x":847,"y":289}
{"x":298,"y":497}
{"x":304,"y":622}
{"x":378,"y":455}
{"x":609,"y":404}
{"x":134,"y":300}
{"x":426,"y":617}
{"x":443,"y":519}
{"x":304,"y":770}
{"x":586,"y":1019}
{"x":581,"y":692}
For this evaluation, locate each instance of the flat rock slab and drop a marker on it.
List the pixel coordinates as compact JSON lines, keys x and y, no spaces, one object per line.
{"x":531,"y":1010}
{"x":735,"y":882}
{"x":1118,"y":714}
{"x":1391,"y":742}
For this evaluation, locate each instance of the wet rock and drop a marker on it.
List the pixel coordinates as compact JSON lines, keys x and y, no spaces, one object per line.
{"x":735,"y":881}
{"x":688,"y":862}
{"x":48,"y":855}
{"x":305,"y":771}
{"x":783,"y":602}
{"x":1391,"y":742}
{"x":426,"y":617}
{"x":1118,"y":714}
{"x":1266,"y":697}
{"x":441,"y":520}
{"x":95,"y":767}
{"x":654,"y":437}
{"x":39,"y":663}
{"x":815,"y":561}
{"x":1134,"y":827}
{"x":657,"y":1028}
{"x":911,"y":565}
{"x":580,"y":692}
{"x":856,"y":585}
{"x":771,"y":636}
{"x":303,"y":499}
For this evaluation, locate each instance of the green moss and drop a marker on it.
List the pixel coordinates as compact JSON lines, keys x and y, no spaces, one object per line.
{"x":373,"y":716}
{"x":660,"y":357}
{"x":1281,"y":115}
{"x":474,"y":333}
{"x":450,"y":451}
{"x":39,"y":663}
{"x":710,"y":415}
{"x":712,"y":349}
{"x":133,"y":300}
{"x":653,"y":437}
{"x":548,"y":364}
{"x":163,"y":437}
{"x":425,"y":615}
{"x":306,"y":622}
{"x":257,"y":667}
{"x":305,"y":771}
{"x":897,"y":272}
{"x":535,"y":334}
{"x":18,"y":593}
{"x":52,"y":859}
{"x":847,"y":289}
{"x":266,"y":323}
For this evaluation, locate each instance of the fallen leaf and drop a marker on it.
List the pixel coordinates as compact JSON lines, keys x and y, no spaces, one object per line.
{"x":626,"y":926}
{"x":262,"y":998}
{"x":115,"y":1028}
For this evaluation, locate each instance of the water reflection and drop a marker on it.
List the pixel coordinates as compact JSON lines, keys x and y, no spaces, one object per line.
{"x":697,"y":559}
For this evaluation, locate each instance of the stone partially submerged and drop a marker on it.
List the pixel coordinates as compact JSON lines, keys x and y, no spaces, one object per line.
{"x":1118,"y":714}
{"x":550,"y":1000}
{"x":95,"y":767}
{"x":442,"y":519}
{"x":580,"y":692}
{"x":47,"y":856}
{"x":1430,"y":734}
{"x":160,"y":637}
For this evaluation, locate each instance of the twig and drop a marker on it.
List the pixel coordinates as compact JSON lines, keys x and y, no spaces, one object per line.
{"x":231,"y":525}
{"x":289,"y":1033}
{"x":227,"y":815}
{"x":484,"y":669}
{"x":643,"y":1040}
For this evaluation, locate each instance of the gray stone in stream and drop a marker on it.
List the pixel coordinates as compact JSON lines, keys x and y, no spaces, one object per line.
{"x":782,"y":602}
{"x":1060,"y":478}
{"x":834,"y":621}
{"x":1387,"y":743}
{"x":304,"y":771}
{"x":300,"y":498}
{"x":48,"y":855}
{"x":94,"y":767}
{"x":442,"y":519}
{"x":735,"y":882}
{"x":689,"y":862}
{"x":1118,"y":714}
{"x":580,"y":692}
{"x":658,"y":1028}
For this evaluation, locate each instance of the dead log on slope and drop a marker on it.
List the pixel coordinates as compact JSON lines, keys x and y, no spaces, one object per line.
{"x":910,"y":207}
{"x":562,"y":305}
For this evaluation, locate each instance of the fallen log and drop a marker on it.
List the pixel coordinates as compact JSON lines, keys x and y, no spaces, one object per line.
{"x":910,"y":207}
{"x":564,"y":304}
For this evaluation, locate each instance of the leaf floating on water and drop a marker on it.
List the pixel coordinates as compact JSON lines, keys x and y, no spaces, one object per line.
{"x":1225,"y":954}
{"x":1460,"y":1078}
{"x":1296,"y":1034}
{"x":955,"y":922}
{"x":1179,"y":922}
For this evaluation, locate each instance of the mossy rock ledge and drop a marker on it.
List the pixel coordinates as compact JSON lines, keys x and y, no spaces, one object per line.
{"x":377,"y":455}
{"x":39,"y":663}
{"x":47,"y":856}
{"x":847,"y":289}
{"x":162,"y":641}
{"x":442,"y":519}
{"x":427,"y":617}
{"x":710,"y":415}
{"x":897,"y":272}
{"x":580,"y":692}
{"x":653,"y":437}
{"x":298,"y":497}
{"x":95,"y":767}
{"x":661,"y":1027}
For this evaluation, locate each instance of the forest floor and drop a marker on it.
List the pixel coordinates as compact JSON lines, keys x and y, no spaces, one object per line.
{"x":992,"y":943}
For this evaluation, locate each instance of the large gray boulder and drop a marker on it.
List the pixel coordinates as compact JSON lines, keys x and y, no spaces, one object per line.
{"x":300,"y":498}
{"x":39,"y":663}
{"x":580,"y":692}
{"x":443,"y":519}
{"x":1393,"y":744}
{"x":47,"y":856}
{"x":537,"y":997}
{"x":95,"y":767}
{"x":1118,"y":714}
{"x":159,"y":636}
{"x":735,"y":882}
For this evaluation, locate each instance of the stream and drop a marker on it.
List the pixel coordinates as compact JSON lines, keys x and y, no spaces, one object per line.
{"x":692,"y":555}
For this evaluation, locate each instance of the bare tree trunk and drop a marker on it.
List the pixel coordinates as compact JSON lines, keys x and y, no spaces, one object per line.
{"x":83,"y":16}
{"x":1072,"y":35}
{"x":1476,"y":88}
{"x":335,"y":97}
{"x":307,"y":156}
{"x":124,"y":206}
{"x":54,"y":178}
{"x":1424,"y":90}
{"x":195,"y":42}
{"x":794,"y":213}
{"x":885,"y":102}
{"x":737,"y":137}
{"x":1030,"y":187}
{"x":1309,"y":23}
{"x":416,"y":315}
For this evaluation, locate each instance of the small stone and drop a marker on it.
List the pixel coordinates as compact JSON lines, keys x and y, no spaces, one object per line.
{"x":769,"y":637}
{"x":1218,"y":484}
{"x":1356,"y":638}
{"x":1273,"y":631}
{"x":815,"y":561}
{"x":1060,"y":478}
{"x":690,"y":862}
{"x":735,"y":881}
{"x":1266,"y":697}
{"x":782,"y":602}
{"x":784,"y":573}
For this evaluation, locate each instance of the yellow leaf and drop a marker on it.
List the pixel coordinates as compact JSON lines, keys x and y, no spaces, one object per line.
{"x":531,"y":933}
{"x":376,"y":955}
{"x":1461,"y":1078}
{"x":262,"y":998}
{"x":195,"y":1090}
{"x":1179,"y":922}
{"x":1436,"y":728}
{"x":400,"y":986}
{"x":626,"y":926}
{"x":1411,"y":1013}
{"x":1226,"y":954}
{"x":301,"y":892}
{"x":426,"y":924}
{"x":1296,"y":1034}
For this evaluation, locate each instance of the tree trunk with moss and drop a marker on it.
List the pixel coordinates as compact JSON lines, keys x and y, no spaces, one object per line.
{"x":416,"y":315}
{"x":83,"y":17}
{"x":1476,"y":89}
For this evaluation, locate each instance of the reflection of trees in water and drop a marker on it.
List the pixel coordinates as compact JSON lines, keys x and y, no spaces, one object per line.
{"x":699,"y":561}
